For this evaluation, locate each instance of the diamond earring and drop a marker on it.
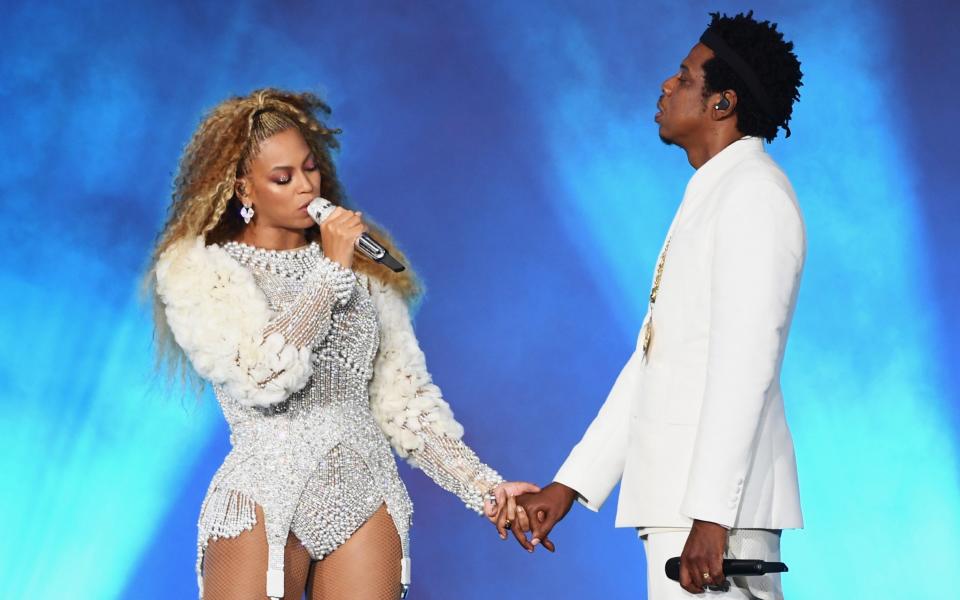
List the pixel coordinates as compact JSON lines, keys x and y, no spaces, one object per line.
{"x":247,"y":213}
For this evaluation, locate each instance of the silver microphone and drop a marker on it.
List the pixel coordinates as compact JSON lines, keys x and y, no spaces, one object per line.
{"x":321,"y":208}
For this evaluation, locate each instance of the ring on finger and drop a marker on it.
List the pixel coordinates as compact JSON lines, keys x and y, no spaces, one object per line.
{"x":507,"y":524}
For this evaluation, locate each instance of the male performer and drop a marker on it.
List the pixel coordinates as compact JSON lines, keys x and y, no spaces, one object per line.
{"x":694,"y":425}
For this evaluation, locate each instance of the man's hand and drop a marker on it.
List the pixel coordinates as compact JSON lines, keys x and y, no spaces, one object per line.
{"x":544,"y":509}
{"x":701,"y":562}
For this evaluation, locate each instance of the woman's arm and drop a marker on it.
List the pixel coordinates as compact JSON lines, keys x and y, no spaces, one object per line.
{"x":222,"y":321}
{"x":412,"y":412}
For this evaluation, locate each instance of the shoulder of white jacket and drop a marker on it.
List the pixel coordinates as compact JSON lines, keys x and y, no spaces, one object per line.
{"x":389,"y":293}
{"x":190,"y":267}
{"x":760,"y":168}
{"x":381,"y":291}
{"x":389,"y":302}
{"x":190,"y":249}
{"x":762,"y":174}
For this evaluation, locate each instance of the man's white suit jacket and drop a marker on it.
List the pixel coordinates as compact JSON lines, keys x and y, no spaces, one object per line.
{"x":696,"y":429}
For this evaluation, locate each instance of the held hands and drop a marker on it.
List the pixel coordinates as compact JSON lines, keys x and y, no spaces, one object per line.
{"x":536,"y":511}
{"x":339,"y":233}
{"x":701,"y":562}
{"x":501,"y":509}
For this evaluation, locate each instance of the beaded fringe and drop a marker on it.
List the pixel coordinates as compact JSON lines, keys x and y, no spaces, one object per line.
{"x":225,"y":514}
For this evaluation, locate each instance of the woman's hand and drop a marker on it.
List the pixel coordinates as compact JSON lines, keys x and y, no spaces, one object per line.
{"x":339,"y":233}
{"x":502,"y":492}
{"x":505,"y":514}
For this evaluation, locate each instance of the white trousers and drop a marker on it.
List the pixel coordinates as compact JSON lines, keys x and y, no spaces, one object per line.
{"x":754,"y":544}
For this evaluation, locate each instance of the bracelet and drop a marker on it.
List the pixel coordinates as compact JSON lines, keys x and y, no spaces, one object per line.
{"x":490,"y":496}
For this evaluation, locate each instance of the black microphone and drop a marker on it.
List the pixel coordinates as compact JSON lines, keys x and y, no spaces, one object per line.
{"x":731,"y":567}
{"x":321,"y":208}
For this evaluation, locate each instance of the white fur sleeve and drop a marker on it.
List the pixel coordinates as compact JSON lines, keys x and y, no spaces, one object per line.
{"x":222,"y":321}
{"x":411,"y":411}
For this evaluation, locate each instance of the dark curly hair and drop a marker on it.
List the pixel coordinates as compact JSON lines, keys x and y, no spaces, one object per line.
{"x":762,"y":47}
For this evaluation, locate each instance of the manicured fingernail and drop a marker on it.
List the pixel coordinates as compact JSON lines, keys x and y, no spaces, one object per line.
{"x":503,"y":536}
{"x":535,"y":541}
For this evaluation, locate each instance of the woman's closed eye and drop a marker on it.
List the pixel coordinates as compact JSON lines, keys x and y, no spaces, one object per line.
{"x":286,"y":176}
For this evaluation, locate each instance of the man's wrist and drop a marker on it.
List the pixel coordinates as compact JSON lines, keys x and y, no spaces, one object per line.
{"x":710,"y":524}
{"x":569,"y":494}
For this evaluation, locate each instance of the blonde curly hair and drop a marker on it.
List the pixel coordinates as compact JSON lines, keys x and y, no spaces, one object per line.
{"x":205,"y":202}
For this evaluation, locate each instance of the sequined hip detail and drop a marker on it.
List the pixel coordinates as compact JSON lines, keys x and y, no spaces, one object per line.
{"x":343,"y":494}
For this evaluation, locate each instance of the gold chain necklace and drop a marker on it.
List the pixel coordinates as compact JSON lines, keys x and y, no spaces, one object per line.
{"x":648,"y":327}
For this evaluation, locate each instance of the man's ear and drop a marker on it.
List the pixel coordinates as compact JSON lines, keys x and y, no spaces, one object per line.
{"x":723,"y":104}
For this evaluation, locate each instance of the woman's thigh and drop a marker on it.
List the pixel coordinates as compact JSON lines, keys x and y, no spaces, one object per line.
{"x":236,"y":568}
{"x":365,"y":567}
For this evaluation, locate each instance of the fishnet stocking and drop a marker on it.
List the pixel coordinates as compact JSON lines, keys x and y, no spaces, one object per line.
{"x":365,"y":567}
{"x":236,"y":568}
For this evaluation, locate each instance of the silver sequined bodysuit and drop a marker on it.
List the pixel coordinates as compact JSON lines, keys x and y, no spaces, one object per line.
{"x":317,"y":463}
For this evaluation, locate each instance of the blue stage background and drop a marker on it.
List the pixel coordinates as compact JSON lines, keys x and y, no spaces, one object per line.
{"x":510,"y":148}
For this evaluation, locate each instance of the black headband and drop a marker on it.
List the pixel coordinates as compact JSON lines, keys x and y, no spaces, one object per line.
{"x":712,"y":40}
